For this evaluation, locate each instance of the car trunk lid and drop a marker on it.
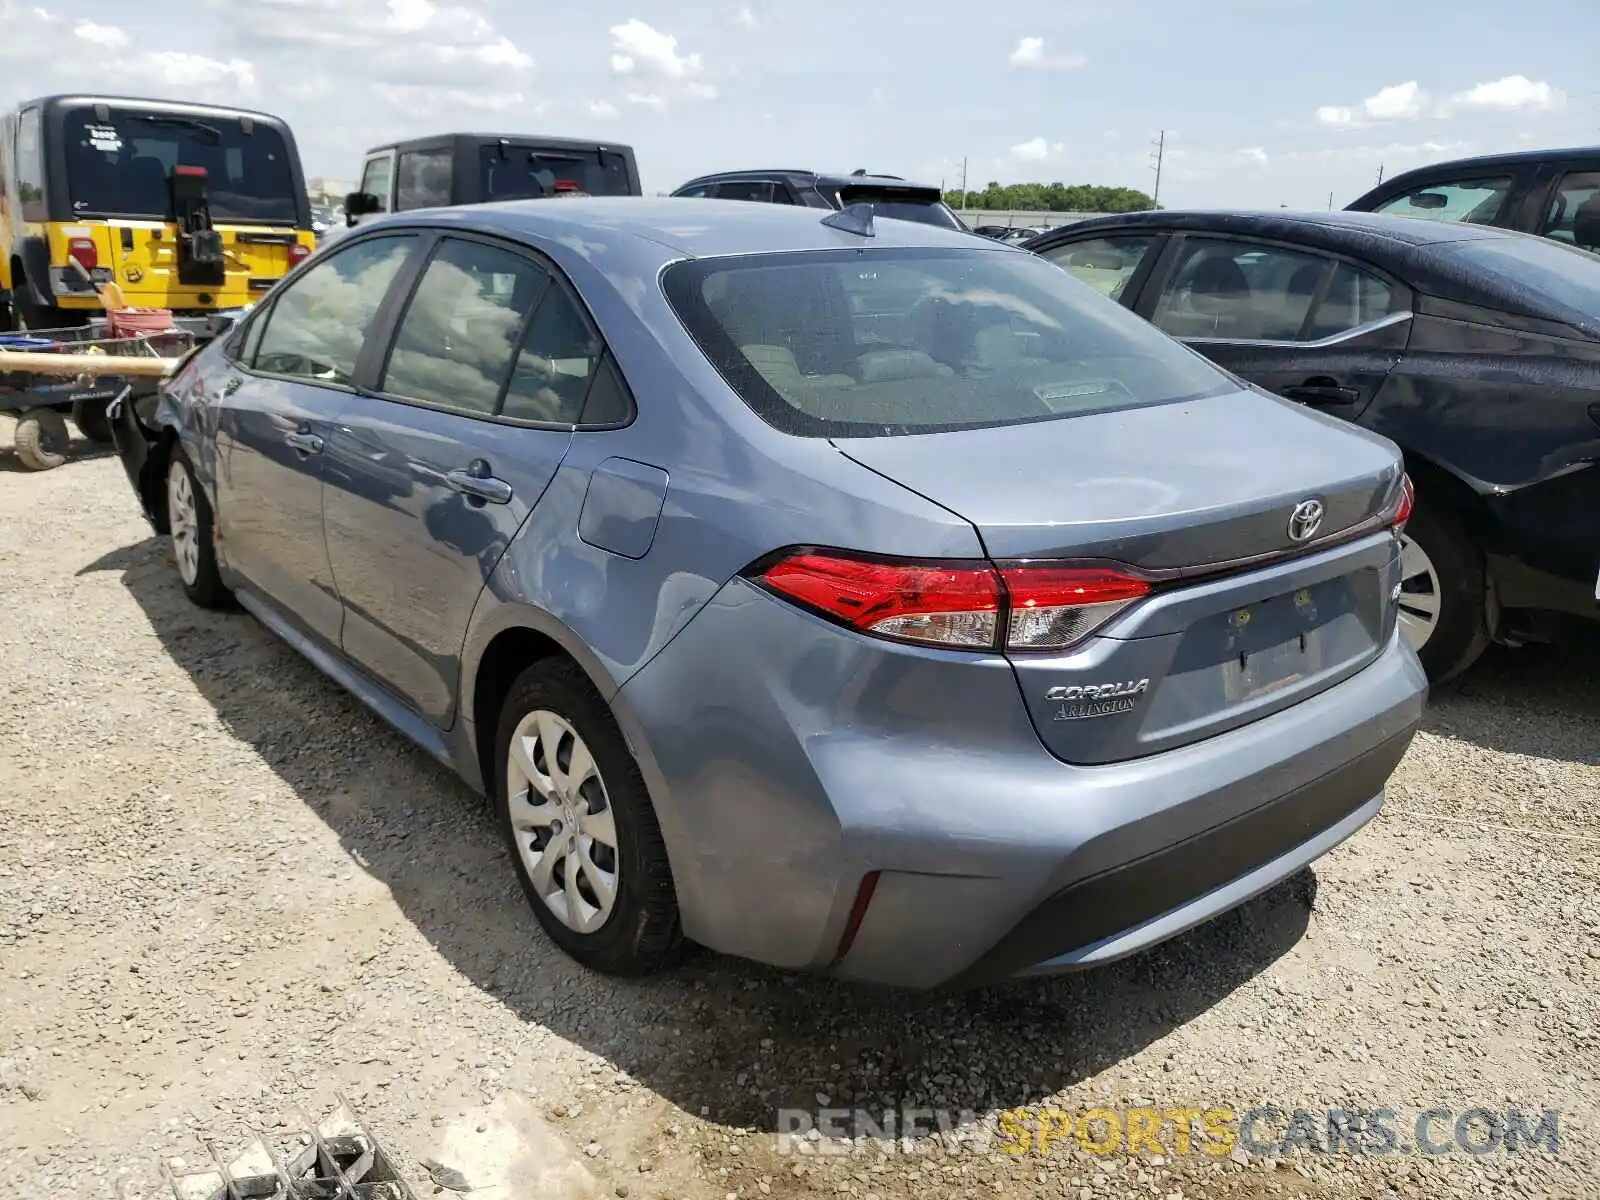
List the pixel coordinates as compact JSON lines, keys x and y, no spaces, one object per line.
{"x":1198,"y":498}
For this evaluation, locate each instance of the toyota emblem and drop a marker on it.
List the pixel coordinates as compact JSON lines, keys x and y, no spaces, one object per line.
{"x":1305,"y":520}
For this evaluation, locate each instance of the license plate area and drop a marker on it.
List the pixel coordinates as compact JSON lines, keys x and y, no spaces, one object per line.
{"x":1276,"y":643}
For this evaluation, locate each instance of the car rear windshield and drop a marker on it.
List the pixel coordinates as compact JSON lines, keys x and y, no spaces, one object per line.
{"x":926,"y":210}
{"x":872,"y":343}
{"x":122,"y":166}
{"x":1551,"y":275}
{"x":518,"y":173}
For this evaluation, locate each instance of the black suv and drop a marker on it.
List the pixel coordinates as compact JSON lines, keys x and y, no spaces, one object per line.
{"x":1554,"y":193}
{"x":890,"y":195}
{"x":476,"y":168}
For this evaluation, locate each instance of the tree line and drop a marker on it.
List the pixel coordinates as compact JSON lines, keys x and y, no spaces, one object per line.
{"x":1052,"y":197}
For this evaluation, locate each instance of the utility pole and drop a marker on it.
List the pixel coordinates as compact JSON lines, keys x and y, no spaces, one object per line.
{"x":1160,"y":153}
{"x":963,"y":181}
{"x":1380,"y":172}
{"x":1330,"y":201}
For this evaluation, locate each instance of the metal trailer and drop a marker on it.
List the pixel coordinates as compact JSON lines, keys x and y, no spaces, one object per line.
{"x":47,"y":375}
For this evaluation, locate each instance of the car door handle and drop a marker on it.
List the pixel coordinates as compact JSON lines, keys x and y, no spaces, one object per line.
{"x":1322,"y":391}
{"x":306,"y":443}
{"x":476,"y":483}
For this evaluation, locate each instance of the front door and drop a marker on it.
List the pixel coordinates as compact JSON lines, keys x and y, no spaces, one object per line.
{"x":275,"y":410}
{"x":1316,"y":329}
{"x":431,"y":475}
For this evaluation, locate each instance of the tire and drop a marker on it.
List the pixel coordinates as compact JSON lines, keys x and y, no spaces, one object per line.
{"x":31,"y":315}
{"x":1457,"y":597}
{"x":553,"y":702}
{"x":41,"y":439}
{"x":193,"y":537}
{"x":91,"y":419}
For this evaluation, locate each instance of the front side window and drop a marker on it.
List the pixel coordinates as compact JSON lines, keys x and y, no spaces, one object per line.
{"x":1574,"y":215}
{"x":30,"y":167}
{"x":744,"y":189}
{"x":865,"y":343}
{"x":375,"y":179}
{"x":1473,"y":201}
{"x":122,"y":166}
{"x":423,"y":180}
{"x":1105,"y":263}
{"x":1239,"y":291}
{"x":454,"y":345}
{"x":319,"y":322}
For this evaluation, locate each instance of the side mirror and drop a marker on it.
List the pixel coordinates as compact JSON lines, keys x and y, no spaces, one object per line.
{"x":1433,"y":201}
{"x":359,"y":204}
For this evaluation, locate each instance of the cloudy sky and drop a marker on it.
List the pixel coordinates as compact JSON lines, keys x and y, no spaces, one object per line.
{"x":1265,"y":102}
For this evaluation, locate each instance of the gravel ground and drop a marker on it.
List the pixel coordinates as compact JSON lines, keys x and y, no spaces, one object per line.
{"x":226,"y":890}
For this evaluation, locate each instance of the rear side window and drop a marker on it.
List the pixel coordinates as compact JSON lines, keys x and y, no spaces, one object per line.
{"x":1105,"y":263}
{"x":520,"y":173}
{"x":1473,"y":201}
{"x":319,"y":322}
{"x":422,"y":180}
{"x":1574,"y":216}
{"x":896,"y":341}
{"x":454,"y":345}
{"x":558,"y":361}
{"x":1239,"y":291}
{"x":1354,"y":298}
{"x":30,"y":167}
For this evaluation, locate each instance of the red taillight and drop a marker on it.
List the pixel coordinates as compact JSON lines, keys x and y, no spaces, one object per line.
{"x":960,"y":605}
{"x":298,"y":253}
{"x":83,"y":252}
{"x":1408,"y":500}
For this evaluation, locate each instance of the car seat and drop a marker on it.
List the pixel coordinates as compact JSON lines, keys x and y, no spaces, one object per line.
{"x":1586,"y":224}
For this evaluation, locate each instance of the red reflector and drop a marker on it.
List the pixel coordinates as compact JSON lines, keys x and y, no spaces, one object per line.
{"x":190,"y":172}
{"x":298,"y":254}
{"x":952,"y":605}
{"x":82,"y":251}
{"x":1408,"y":501}
{"x":858,"y":913}
{"x":566,"y":185}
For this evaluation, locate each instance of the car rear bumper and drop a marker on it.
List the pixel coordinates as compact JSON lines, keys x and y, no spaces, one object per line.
{"x":790,"y":760}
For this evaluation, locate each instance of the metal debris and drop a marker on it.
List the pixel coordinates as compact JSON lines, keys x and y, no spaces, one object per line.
{"x":334,"y":1159}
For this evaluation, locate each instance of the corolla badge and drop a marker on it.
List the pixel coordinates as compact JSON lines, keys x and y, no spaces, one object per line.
{"x":1082,"y":701}
{"x":1305,"y":520}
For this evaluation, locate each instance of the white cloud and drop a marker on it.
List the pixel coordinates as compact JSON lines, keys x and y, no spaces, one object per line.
{"x":745,"y":17}
{"x":602,"y":109}
{"x":1401,"y":102}
{"x":1255,"y":154}
{"x":1513,"y":93}
{"x":1030,"y":53}
{"x":1036,"y":150}
{"x":108,"y":36}
{"x":701,"y":91}
{"x":646,"y":100}
{"x":637,"y":46}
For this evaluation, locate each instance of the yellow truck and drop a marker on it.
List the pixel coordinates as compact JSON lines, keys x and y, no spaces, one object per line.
{"x":187,"y":207}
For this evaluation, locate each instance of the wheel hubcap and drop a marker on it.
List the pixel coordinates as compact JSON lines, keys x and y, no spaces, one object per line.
{"x":185,"y":525}
{"x":561,"y":816}
{"x":1420,"y":597}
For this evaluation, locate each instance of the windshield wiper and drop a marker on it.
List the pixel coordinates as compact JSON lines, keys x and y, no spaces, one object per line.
{"x":181,"y":122}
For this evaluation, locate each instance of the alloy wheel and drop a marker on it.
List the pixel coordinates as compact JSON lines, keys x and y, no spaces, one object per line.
{"x":1420,"y":595}
{"x":184,"y":522}
{"x":562,"y":820}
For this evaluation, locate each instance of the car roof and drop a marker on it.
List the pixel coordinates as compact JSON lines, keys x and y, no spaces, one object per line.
{"x":1350,"y":231}
{"x":1509,"y":158}
{"x":665,"y":227}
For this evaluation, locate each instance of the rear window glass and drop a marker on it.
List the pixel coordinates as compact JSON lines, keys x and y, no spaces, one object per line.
{"x":518,"y":173}
{"x":881,"y":342}
{"x":928,"y":211}
{"x":122,"y":166}
{"x":1549,"y":274}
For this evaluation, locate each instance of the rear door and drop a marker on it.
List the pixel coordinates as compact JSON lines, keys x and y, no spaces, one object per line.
{"x":470,"y":411}
{"x":276,"y":407}
{"x":377,"y":179}
{"x":1314,"y":328}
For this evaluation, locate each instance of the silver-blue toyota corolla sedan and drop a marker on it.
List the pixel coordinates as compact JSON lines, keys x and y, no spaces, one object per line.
{"x":848,"y":595}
